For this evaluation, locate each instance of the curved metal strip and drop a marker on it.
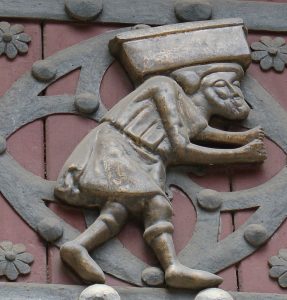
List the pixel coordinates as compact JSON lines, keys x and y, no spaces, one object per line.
{"x":269,"y":197}
{"x":39,"y":107}
{"x":25,"y":198}
{"x":275,"y":122}
{"x":257,"y":15}
{"x":256,"y":196}
{"x":207,"y":223}
{"x":204,"y":236}
{"x":34,"y":291}
{"x":204,"y":252}
{"x":240,"y":200}
{"x":21,"y":105}
{"x":234,"y":248}
{"x":93,"y":69}
{"x":16,"y":104}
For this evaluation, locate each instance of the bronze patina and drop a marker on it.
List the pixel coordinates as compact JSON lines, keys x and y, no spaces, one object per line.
{"x":120,"y":166}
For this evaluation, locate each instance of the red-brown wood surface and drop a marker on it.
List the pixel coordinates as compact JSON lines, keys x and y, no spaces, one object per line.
{"x":253,"y":271}
{"x":43,"y":146}
{"x":27,"y":147}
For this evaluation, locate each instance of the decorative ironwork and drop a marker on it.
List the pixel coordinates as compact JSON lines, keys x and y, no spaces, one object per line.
{"x":13,"y":40}
{"x":84,"y":10}
{"x":14,"y":260}
{"x":120,"y":167}
{"x":23,"y":102}
{"x":68,"y":292}
{"x":255,"y":14}
{"x":153,"y":276}
{"x":278,"y":266}
{"x":271,"y":53}
{"x":190,"y":10}
{"x":44,"y":71}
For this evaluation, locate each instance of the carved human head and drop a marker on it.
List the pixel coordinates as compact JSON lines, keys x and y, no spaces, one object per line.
{"x":219,"y":84}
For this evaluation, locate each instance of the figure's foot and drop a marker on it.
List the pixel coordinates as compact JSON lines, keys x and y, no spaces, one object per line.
{"x":255,"y":152}
{"x":78,"y":258}
{"x":179,"y":276}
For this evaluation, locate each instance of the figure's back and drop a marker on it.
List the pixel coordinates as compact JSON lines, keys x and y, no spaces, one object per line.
{"x":141,"y":122}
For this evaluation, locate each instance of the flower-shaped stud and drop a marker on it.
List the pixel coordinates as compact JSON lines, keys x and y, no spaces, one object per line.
{"x":279,"y":267}
{"x":13,"y":40}
{"x":270,"y":53}
{"x":14,"y":260}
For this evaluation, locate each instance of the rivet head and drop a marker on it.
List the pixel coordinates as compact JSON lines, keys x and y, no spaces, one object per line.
{"x":193,"y":10}
{"x":87,"y":103}
{"x":3,"y":145}
{"x":153,"y":276}
{"x":213,"y":294}
{"x":273,"y":51}
{"x":44,"y":70}
{"x":84,"y":10}
{"x":255,"y":234}
{"x":50,"y":229}
{"x":10,"y":255}
{"x":99,"y":292}
{"x":209,"y":200}
{"x":7,"y":37}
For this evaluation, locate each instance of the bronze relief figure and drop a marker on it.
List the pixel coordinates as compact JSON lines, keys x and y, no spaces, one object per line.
{"x":120,"y":166}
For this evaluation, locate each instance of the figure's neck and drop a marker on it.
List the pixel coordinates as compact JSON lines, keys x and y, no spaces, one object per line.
{"x":202,"y":105}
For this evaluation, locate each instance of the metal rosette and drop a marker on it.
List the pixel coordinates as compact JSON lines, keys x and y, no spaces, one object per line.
{"x":22,"y":105}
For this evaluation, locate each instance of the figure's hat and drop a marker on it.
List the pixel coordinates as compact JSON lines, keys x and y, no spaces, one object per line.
{"x":160,"y":50}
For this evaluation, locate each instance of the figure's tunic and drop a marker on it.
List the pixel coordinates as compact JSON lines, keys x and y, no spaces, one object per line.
{"x":124,"y":158}
{"x":140,"y":121}
{"x":119,"y":159}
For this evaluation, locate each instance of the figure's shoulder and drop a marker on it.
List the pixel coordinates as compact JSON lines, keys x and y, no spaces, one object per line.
{"x":160,"y":80}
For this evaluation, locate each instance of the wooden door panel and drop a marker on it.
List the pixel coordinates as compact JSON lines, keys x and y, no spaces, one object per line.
{"x":43,"y":146}
{"x":27,"y":147}
{"x":253,"y":272}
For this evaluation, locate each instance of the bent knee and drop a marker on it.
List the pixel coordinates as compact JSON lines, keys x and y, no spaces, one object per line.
{"x":157,"y":217}
{"x":114,"y":216}
{"x":160,"y":208}
{"x":157,"y":229}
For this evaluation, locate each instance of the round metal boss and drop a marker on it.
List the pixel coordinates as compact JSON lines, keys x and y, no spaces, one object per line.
{"x":84,"y":10}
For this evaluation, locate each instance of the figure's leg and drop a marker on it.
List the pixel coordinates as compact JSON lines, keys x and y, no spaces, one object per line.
{"x":76,"y":253}
{"x":158,"y":234}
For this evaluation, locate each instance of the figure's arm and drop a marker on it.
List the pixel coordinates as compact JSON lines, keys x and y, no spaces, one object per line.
{"x":210,"y":134}
{"x":165,"y":92}
{"x":253,"y":152}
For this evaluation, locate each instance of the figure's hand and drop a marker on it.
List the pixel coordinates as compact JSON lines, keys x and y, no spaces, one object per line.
{"x":254,"y":152}
{"x":255,"y":133}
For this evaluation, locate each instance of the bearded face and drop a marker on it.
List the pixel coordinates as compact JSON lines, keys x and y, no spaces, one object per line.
{"x":222,"y":90}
